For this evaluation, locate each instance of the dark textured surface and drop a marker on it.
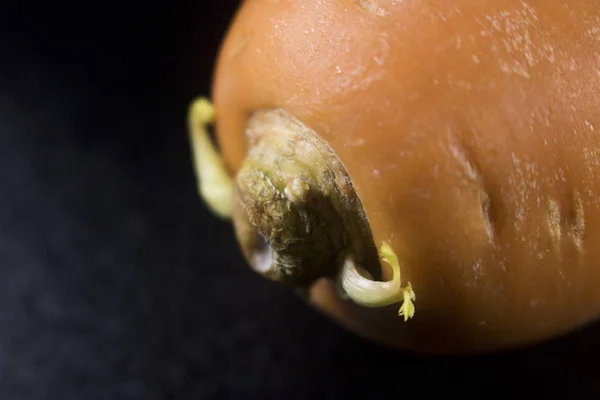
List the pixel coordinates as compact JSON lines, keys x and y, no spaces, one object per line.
{"x":116,"y":283}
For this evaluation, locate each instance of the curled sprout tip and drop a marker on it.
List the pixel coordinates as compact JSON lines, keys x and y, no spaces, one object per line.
{"x":215,"y":185}
{"x":408,"y":306}
{"x":364,"y":291}
{"x":389,"y":256}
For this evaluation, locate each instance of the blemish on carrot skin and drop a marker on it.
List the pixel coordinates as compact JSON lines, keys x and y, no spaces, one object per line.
{"x":486,"y":213}
{"x":577,"y":222}
{"x":382,"y":49}
{"x":372,"y":7}
{"x":471,"y":172}
{"x":554,"y":228}
{"x":516,"y":40}
{"x":594,"y":32}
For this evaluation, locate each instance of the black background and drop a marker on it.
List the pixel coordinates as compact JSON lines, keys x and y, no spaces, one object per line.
{"x":116,"y":282}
